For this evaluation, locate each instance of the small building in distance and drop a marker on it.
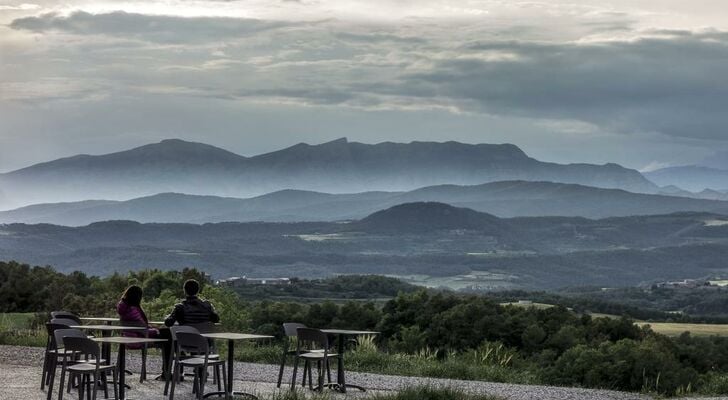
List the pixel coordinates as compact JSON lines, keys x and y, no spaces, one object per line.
{"x":237,"y":281}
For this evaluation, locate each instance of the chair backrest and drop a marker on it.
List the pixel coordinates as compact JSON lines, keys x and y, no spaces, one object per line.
{"x":174,"y":330}
{"x":66,"y":315}
{"x":51,"y":328}
{"x":311,"y":339}
{"x":290,"y":328}
{"x":59,"y":334}
{"x":204,"y":327}
{"x":192,"y":343}
{"x":64,"y":321}
{"x":82,"y":346}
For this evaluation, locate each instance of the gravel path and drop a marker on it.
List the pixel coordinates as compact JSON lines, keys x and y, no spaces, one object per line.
{"x":20,"y":369}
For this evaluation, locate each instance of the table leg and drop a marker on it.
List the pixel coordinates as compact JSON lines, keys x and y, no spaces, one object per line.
{"x":121,"y":367}
{"x":231,"y":363}
{"x":230,"y":372}
{"x":106,"y":348}
{"x":340,"y":376}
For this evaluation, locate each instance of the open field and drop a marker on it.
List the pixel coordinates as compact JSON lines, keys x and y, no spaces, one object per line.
{"x":675,"y":329}
{"x":540,"y":306}
{"x":480,"y":280}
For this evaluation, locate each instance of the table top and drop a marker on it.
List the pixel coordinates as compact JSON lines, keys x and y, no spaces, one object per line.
{"x":105,"y":319}
{"x":127,"y":340}
{"x":348,"y":332}
{"x":109,"y":327}
{"x":235,"y":336}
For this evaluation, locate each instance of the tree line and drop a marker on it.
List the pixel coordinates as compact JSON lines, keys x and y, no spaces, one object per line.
{"x":555,"y":344}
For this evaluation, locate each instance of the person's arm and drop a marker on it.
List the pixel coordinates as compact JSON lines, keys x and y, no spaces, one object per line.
{"x":174,"y":316}
{"x":214,"y":318}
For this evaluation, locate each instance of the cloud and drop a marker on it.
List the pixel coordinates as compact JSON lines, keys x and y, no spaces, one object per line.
{"x":606,"y":77}
{"x":671,"y":85}
{"x":154,"y":28}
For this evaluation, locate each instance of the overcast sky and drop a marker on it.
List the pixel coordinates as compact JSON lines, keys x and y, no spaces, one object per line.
{"x":640,"y":82}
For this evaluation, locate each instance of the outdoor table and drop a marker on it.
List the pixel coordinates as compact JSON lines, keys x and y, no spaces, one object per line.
{"x":340,"y":376}
{"x":106,"y":331}
{"x":108,"y":320}
{"x":122,"y":341}
{"x":231,"y":338}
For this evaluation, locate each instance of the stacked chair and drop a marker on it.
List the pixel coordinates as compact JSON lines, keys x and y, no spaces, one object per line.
{"x":59,"y":320}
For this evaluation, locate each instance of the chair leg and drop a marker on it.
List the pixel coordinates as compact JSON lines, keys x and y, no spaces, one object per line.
{"x":88,"y":386}
{"x":44,"y":371}
{"x":95,"y":385}
{"x":80,"y":387}
{"x":321,"y":375}
{"x":143,"y":373}
{"x":217,"y":377}
{"x":175,"y":377}
{"x":295,"y":369}
{"x":203,"y":381}
{"x":115,"y":371}
{"x":52,"y":372}
{"x":61,"y":387}
{"x":280,"y":372}
{"x":305,"y":371}
{"x":169,"y":377}
{"x":105,"y":381}
{"x":196,"y":380}
{"x":328,"y":369}
{"x":225,"y":371}
{"x":310,"y":373}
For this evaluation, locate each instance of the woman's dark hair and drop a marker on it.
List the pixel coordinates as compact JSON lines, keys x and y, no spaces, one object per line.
{"x":132,"y":296}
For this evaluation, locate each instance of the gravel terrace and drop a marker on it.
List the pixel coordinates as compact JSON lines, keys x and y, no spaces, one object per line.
{"x":20,"y":372}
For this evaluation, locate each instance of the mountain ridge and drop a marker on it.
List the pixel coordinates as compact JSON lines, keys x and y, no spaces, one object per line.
{"x":504,"y":199}
{"x":338,"y":166}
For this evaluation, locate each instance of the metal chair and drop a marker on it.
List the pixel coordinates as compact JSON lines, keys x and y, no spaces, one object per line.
{"x":89,"y":371}
{"x":194,"y":343}
{"x":174,"y":330}
{"x":312,"y":345}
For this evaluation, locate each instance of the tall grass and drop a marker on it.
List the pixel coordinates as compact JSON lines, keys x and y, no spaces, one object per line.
{"x":22,"y":329}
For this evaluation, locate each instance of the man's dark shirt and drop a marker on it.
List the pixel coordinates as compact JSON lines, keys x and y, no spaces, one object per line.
{"x":191,"y":311}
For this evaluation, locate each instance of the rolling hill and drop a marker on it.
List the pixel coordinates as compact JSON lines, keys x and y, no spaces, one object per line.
{"x":339,"y":166}
{"x":424,"y":239}
{"x":503,"y":199}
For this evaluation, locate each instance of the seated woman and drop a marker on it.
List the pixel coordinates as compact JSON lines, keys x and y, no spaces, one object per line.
{"x":131,"y":313}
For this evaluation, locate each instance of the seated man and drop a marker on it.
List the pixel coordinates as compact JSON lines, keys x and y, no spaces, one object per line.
{"x":192,"y":310}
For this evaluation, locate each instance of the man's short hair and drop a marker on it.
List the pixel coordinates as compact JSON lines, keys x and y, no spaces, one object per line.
{"x":192,"y":287}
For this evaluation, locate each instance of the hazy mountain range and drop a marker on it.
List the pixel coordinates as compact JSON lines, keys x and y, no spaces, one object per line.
{"x":694,"y":178}
{"x":336,"y":167}
{"x":431,"y":239}
{"x":504,"y":199}
{"x":709,"y":176}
